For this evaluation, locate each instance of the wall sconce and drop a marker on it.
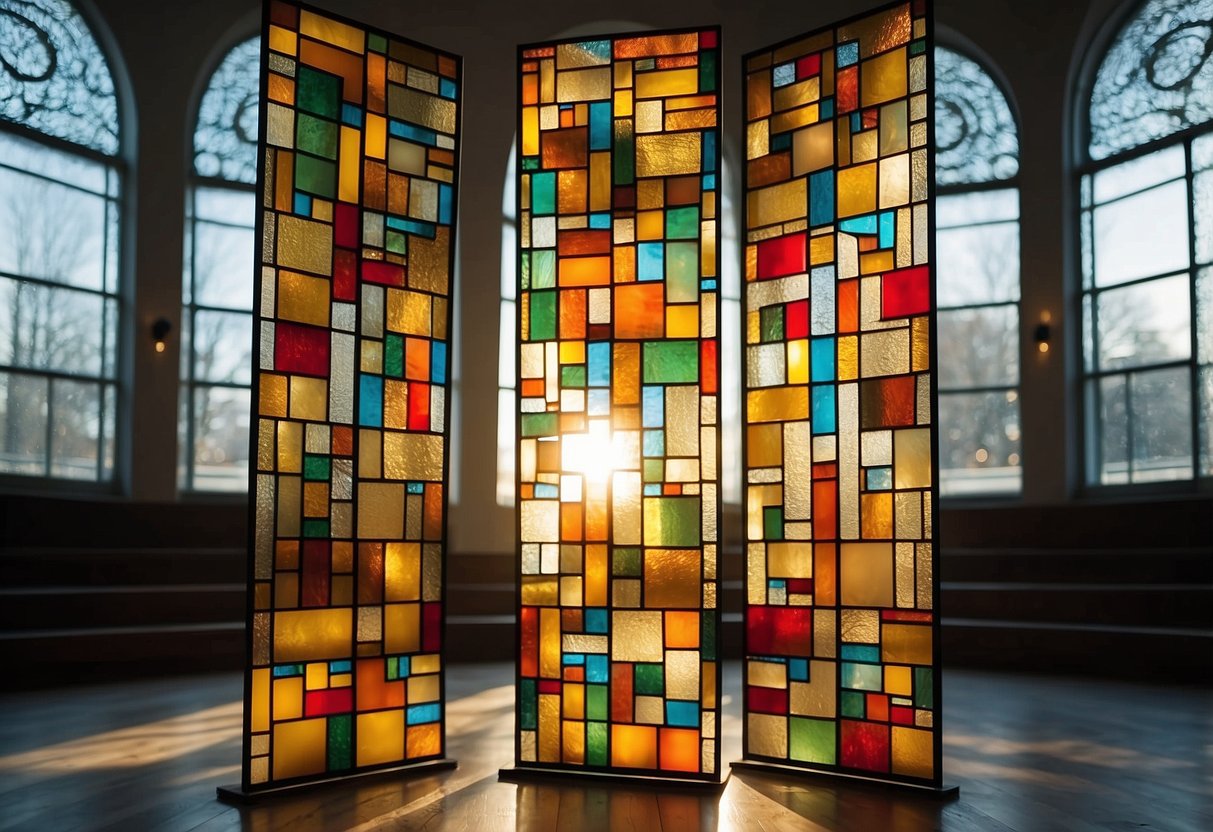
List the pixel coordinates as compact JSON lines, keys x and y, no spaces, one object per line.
{"x":160,"y":330}
{"x":1042,"y":332}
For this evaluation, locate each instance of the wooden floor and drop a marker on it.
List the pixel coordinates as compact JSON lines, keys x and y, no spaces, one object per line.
{"x":1029,"y":753}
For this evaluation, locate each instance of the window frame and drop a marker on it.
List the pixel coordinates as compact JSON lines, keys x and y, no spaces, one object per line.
{"x":1090,"y":433}
{"x":1012,"y":183}
{"x":188,"y":384}
{"x":117,"y":384}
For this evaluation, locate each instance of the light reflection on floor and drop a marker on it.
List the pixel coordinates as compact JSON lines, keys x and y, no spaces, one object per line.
{"x":1029,"y":753}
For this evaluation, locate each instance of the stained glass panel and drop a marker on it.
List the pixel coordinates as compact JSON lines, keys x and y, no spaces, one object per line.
{"x":618,"y":379}
{"x":360,"y":142}
{"x":840,"y":670}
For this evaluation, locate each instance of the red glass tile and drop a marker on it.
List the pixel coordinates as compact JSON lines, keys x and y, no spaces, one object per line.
{"x":707,"y":40}
{"x":431,"y":627}
{"x":387,"y":274}
{"x":887,"y":402}
{"x":865,"y":745}
{"x":846,"y":84}
{"x":901,"y":715}
{"x":767,"y":700}
{"x":325,"y":702}
{"x":345,"y":225}
{"x":800,"y":586}
{"x":878,"y":707}
{"x":808,"y":65}
{"x":345,"y":279}
{"x":621,"y":692}
{"x":796,"y":320}
{"x":301,"y":349}
{"x":905,"y":292}
{"x":549,"y":686}
{"x":529,"y":655}
{"x":317,"y":567}
{"x":781,"y":256}
{"x":707,"y":367}
{"x":779,"y":631}
{"x":419,"y":406}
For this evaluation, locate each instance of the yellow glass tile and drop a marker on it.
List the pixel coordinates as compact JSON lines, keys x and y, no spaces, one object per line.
{"x":302,"y":635}
{"x":530,"y":131}
{"x":299,"y":748}
{"x":777,"y":204}
{"x":913,"y":752}
{"x":790,"y":560}
{"x":331,"y":31}
{"x":812,"y":148}
{"x":767,"y":735}
{"x":670,"y":154}
{"x":580,"y":85}
{"x":272,"y":395}
{"x":798,"y":94}
{"x":260,"y":695}
{"x":401,"y":628}
{"x":288,"y":698}
{"x":882,"y":78}
{"x":856,"y":190}
{"x":667,"y":83}
{"x":623,"y":74}
{"x":672,"y":577}
{"x":894,"y":181}
{"x":380,"y":737}
{"x":633,"y":746}
{"x":636,"y":636}
{"x":573,"y":742}
{"x":875,"y":262}
{"x":792,"y":119}
{"x":898,"y":681}
{"x":650,"y":225}
{"x":309,"y":398}
{"x":302,"y":298}
{"x":304,"y":244}
{"x":682,"y":322}
{"x":865,"y":574}
{"x":879,"y":31}
{"x":401,"y":571}
{"x":283,"y":40}
{"x":848,"y":358}
{"x":600,"y":181}
{"x":757,"y":139}
{"x":380,"y":511}
{"x":876,"y":516}
{"x":798,"y":361}
{"x":423,"y":689}
{"x":549,"y":643}
{"x":863,"y":146}
{"x":777,"y":404}
{"x":912,"y":458}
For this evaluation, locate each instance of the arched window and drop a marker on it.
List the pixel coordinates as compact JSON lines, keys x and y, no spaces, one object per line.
{"x":1146,"y":202}
{"x":218,"y":292}
{"x":977,"y":236}
{"x":60,"y":187}
{"x":730,"y":339}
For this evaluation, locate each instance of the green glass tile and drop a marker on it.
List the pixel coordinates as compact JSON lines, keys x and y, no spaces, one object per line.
{"x":528,"y":705}
{"x":596,"y":702}
{"x":318,"y":92}
{"x":315,"y":176}
{"x":316,"y":136}
{"x":340,"y":755}
{"x":678,"y":521}
{"x":393,"y":356}
{"x":315,"y":467}
{"x":771,"y":323}
{"x":396,"y":242}
{"x":376,"y":43}
{"x":649,"y":680}
{"x":524,"y":276}
{"x":850,"y":703}
{"x":626,"y":563}
{"x":811,"y":740}
{"x":772,"y":523}
{"x":671,"y":362}
{"x":707,"y":636}
{"x":543,"y":193}
{"x":572,"y":375}
{"x":625,"y":151}
{"x":540,"y":424}
{"x":530,"y":163}
{"x":596,"y":743}
{"x":543,"y":269}
{"x":393,"y":668}
{"x":654,"y":470}
{"x":707,"y":71}
{"x":924,"y":687}
{"x":315,"y":528}
{"x":543,"y":316}
{"x":917,"y":47}
{"x":682,"y":223}
{"x":681,"y":272}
